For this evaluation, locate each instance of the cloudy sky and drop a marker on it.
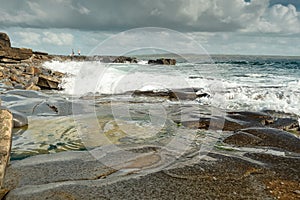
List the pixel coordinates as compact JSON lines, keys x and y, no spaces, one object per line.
{"x":269,"y":27}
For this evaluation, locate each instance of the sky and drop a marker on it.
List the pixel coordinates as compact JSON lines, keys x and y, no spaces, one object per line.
{"x":250,"y":27}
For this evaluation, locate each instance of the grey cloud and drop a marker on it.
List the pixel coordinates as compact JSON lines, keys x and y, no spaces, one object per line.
{"x":183,"y":15}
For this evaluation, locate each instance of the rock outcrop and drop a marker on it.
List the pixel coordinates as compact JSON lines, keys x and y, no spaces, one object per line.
{"x":21,"y":68}
{"x":48,"y":82}
{"x":9,"y":54}
{"x":4,"y":41}
{"x":124,"y":59}
{"x":14,"y":55}
{"x":29,"y":77}
{"x":6,"y":125}
{"x":163,"y":61}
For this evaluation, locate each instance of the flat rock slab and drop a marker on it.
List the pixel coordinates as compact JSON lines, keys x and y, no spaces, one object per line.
{"x":219,"y":175}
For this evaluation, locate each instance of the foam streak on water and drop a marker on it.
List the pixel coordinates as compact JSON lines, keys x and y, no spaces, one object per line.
{"x":263,"y":85}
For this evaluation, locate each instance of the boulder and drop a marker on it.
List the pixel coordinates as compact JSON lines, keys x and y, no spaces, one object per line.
{"x":4,"y":41}
{"x":163,"y":61}
{"x":124,"y":59}
{"x":48,"y":82}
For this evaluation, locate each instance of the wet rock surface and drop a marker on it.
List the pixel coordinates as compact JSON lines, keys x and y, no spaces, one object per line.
{"x":162,"y":61}
{"x":78,"y":175}
{"x":235,"y":121}
{"x":175,"y":94}
{"x":265,"y":137}
{"x":249,"y":161}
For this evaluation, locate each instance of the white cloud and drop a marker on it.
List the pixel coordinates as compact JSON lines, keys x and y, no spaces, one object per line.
{"x":83,"y":10}
{"x":29,"y":38}
{"x":277,"y":19}
{"x":57,"y":38}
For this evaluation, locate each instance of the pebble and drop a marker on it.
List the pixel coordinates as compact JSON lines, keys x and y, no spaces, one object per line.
{"x":297,"y":191}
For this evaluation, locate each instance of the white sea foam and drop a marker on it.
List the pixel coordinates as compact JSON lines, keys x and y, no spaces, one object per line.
{"x":143,"y":62}
{"x":255,"y":92}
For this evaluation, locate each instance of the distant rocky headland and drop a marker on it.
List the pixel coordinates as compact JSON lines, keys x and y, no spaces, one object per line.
{"x":21,"y":68}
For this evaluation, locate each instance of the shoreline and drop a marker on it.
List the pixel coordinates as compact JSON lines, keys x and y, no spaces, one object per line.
{"x":243,"y":154}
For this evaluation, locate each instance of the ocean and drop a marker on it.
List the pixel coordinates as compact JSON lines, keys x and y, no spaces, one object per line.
{"x":254,"y":83}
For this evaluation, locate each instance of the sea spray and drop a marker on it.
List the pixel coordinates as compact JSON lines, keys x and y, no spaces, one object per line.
{"x":246,"y":86}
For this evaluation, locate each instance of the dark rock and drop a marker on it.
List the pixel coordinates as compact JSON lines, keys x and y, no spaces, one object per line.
{"x":267,"y":137}
{"x":286,"y":124}
{"x":232,"y":122}
{"x":48,"y":82}
{"x":163,"y":61}
{"x":4,"y":41}
{"x":180,"y":94}
{"x":150,"y":93}
{"x":124,"y":59}
{"x":40,"y":53}
{"x":214,"y":123}
{"x":203,"y":95}
{"x":258,"y":117}
{"x":243,"y":139}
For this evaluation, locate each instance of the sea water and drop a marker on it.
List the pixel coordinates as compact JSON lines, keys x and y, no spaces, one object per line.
{"x":243,"y":82}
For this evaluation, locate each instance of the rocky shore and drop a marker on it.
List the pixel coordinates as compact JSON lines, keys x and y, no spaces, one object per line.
{"x":22,"y":68}
{"x":257,"y":156}
{"x":255,"y":160}
{"x":250,"y":155}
